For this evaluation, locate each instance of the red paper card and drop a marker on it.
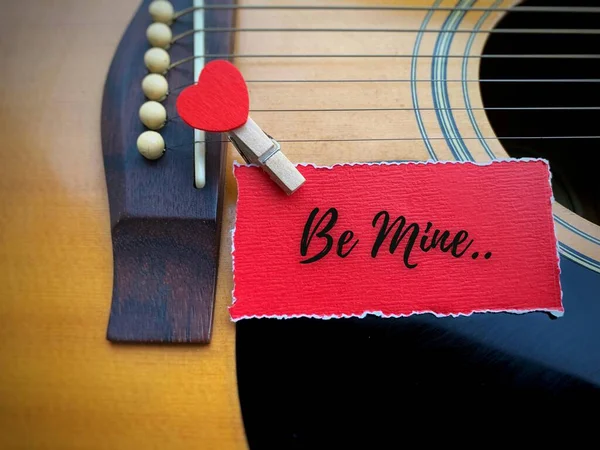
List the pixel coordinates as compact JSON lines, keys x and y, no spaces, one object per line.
{"x":397,"y":239}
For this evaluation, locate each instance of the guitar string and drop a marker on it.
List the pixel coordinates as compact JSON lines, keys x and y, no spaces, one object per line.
{"x":398,"y":139}
{"x":553,"y":31}
{"x":426,"y":108}
{"x":407,"y":80}
{"x":520,"y":9}
{"x":486,"y":108}
{"x":386,"y":55}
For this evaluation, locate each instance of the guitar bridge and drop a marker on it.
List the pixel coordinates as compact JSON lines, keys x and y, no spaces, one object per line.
{"x":165,"y":231}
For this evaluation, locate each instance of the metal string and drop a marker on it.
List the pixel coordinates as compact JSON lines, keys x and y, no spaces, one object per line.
{"x":390,"y":30}
{"x":407,"y":80}
{"x":389,"y":55}
{"x":397,"y":139}
{"x":420,"y":138}
{"x":487,"y":108}
{"x":525,"y":9}
{"x":390,"y":109}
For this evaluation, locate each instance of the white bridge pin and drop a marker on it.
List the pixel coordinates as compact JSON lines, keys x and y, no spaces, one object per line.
{"x":162,"y":11}
{"x":159,"y":35}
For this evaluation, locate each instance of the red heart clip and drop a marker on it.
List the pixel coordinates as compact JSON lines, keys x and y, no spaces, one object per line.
{"x":219,"y":102}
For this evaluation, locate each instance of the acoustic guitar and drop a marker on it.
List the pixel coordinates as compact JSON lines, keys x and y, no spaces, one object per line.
{"x":116,"y":270}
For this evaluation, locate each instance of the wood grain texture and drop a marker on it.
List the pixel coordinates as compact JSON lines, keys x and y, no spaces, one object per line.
{"x":62,"y":384}
{"x":165,"y":232}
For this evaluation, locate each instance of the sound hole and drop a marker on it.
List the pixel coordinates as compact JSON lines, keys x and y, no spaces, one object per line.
{"x":574,"y":160}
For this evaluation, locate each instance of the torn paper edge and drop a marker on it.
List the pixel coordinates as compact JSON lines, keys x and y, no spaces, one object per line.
{"x":554,"y":312}
{"x":556,"y":241}
{"x":400,"y":163}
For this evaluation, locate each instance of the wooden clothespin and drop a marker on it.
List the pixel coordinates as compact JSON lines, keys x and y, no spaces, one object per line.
{"x":220,"y":103}
{"x":256,"y":147}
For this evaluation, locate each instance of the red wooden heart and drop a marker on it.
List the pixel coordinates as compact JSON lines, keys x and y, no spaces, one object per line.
{"x":219,"y":102}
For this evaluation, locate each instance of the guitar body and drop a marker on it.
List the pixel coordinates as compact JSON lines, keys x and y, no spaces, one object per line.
{"x":368,"y":383}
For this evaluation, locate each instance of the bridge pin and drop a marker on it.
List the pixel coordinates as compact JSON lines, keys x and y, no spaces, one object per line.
{"x":155,"y":87}
{"x":159,"y":35}
{"x":162,"y":11}
{"x":157,"y":60}
{"x":153,"y":115}
{"x":151,"y":145}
